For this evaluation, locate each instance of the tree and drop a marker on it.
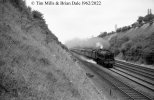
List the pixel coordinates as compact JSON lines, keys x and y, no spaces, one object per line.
{"x":103,"y":34}
{"x":140,"y":19}
{"x":118,"y":30}
{"x":148,"y":18}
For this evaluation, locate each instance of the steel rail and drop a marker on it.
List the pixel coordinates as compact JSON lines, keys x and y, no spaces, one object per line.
{"x":141,"y":75}
{"x":148,"y":87}
{"x":125,"y":88}
{"x":136,"y":66}
{"x":151,"y":74}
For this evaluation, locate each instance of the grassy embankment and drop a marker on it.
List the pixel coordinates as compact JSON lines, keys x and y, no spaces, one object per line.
{"x":135,"y":44}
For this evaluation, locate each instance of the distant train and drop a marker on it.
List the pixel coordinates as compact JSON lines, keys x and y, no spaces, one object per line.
{"x":103,"y":57}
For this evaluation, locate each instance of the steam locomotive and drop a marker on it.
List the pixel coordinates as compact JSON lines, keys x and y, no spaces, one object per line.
{"x":103,"y":57}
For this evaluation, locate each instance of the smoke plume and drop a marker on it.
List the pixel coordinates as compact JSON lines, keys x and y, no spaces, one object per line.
{"x":94,"y":43}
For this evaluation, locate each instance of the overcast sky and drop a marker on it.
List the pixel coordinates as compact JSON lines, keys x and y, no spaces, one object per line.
{"x":70,"y":21}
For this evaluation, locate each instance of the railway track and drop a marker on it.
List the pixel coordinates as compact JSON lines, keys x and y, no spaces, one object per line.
{"x":145,"y":70}
{"x":144,"y":75}
{"x":138,"y":74}
{"x":135,"y":78}
{"x":130,"y":93}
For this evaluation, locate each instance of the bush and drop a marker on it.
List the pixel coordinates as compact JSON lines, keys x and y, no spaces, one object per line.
{"x":103,"y":34}
{"x":37,"y":15}
{"x":140,"y":19}
{"x":20,"y":4}
{"x":126,"y":47}
{"x":148,"y":18}
{"x":148,"y":56}
{"x":140,"y":49}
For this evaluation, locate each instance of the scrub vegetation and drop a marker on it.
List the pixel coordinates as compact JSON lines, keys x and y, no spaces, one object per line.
{"x":135,"y":42}
{"x":34,"y":65}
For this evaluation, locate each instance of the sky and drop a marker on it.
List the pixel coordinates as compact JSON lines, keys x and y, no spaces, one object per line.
{"x":68,"y":22}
